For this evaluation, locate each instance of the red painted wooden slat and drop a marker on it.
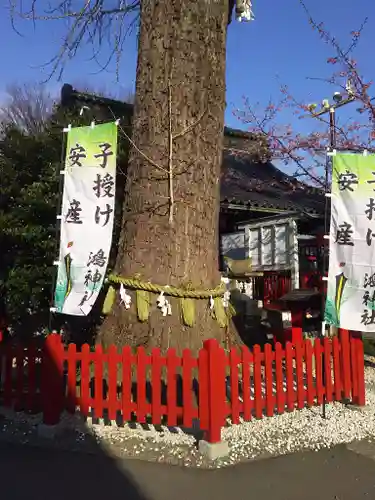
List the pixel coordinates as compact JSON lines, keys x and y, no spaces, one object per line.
{"x":52,"y":380}
{"x":327,"y":369}
{"x":297,"y":333}
{"x":213,"y":406}
{"x":85,"y":380}
{"x":345,"y":363}
{"x":234,"y":360}
{"x":2,"y":358}
{"x":311,"y":392}
{"x":320,"y":390}
{"x":72,"y":378}
{"x":112,"y":382}
{"x":361,"y":401}
{"x":31,"y":402}
{"x":353,"y":371}
{"x":98,"y":403}
{"x":336,"y":369}
{"x":246,"y":383}
{"x":141,"y":385}
{"x":156,"y":367}
{"x":217,"y":395}
{"x":280,"y":393}
{"x":126,"y":383}
{"x":268,"y":365}
{"x":172,"y":364}
{"x":20,"y":359}
{"x":8,"y":393}
{"x":203,"y":399}
{"x":290,"y":393}
{"x":258,"y":393}
{"x":187,"y":393}
{"x":299,"y":348}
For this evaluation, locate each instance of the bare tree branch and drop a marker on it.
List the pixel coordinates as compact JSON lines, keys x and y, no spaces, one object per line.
{"x":306,"y":151}
{"x":348,"y":71}
{"x":27,"y":107}
{"x":132,"y":143}
{"x":170,"y":155}
{"x":190,"y":127}
{"x":95,"y":22}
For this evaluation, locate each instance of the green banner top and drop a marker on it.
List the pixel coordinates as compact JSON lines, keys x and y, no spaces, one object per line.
{"x":353,"y":172}
{"x":92,"y":146}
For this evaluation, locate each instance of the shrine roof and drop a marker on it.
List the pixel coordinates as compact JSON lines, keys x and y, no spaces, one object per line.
{"x":262,"y":186}
{"x":248,"y":180}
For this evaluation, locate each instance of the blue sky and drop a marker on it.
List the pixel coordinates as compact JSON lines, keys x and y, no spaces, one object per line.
{"x":278,"y":46}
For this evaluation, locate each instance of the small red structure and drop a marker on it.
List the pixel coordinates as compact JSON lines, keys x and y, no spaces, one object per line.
{"x":286,"y":275}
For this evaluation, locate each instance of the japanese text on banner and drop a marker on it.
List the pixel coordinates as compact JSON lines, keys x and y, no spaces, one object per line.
{"x":87,"y":217}
{"x":350,"y":302}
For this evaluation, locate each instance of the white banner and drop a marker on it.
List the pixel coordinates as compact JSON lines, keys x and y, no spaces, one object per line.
{"x":350,"y":302}
{"x":87,"y":217}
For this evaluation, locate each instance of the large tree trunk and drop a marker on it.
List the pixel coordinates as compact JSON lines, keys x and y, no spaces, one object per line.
{"x":181,"y":55}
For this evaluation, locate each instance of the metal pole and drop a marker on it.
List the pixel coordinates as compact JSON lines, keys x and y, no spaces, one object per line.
{"x":332,"y":144}
{"x":59,"y":169}
{"x":332,"y":134}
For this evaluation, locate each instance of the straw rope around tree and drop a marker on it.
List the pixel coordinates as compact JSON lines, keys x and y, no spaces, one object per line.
{"x":186,"y":295}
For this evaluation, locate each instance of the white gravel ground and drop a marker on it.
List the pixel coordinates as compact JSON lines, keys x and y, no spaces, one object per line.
{"x":286,"y":433}
{"x":304,"y":429}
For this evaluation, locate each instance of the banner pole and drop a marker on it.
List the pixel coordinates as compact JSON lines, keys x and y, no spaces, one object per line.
{"x":332,"y":145}
{"x":60,"y":170}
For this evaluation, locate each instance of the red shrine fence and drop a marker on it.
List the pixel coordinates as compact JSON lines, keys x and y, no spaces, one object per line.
{"x":181,"y":390}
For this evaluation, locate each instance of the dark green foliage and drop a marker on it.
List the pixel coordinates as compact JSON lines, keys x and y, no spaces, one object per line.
{"x":28,"y":193}
{"x":29,"y":196}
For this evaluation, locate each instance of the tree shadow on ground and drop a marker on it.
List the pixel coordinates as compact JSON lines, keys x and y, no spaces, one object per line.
{"x":29,"y":473}
{"x":193,"y":430}
{"x":55,"y":466}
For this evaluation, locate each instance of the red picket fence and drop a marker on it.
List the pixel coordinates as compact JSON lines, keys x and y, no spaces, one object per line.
{"x":178,"y":391}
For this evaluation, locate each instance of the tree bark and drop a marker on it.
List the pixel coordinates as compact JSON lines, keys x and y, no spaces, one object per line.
{"x":170,"y":223}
